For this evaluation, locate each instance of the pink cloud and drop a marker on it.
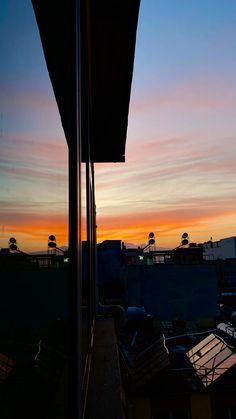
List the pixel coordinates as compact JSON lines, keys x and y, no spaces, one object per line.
{"x":29,"y":159}
{"x":177,"y":165}
{"x":30,"y":174}
{"x":34,"y":148}
{"x":191,"y":95}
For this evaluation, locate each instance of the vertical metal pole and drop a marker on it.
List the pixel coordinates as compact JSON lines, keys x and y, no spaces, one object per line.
{"x":75,"y":259}
{"x":96,"y":291}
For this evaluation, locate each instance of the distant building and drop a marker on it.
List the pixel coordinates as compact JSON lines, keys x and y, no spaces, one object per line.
{"x":221,"y":249}
{"x":175,"y":291}
{"x":170,"y":285}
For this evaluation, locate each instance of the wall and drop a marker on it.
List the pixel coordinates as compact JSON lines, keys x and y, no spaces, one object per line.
{"x":31,"y":300}
{"x":223,"y":249}
{"x":186,"y":292}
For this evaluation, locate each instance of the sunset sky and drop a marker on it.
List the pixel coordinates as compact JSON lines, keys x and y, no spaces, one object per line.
{"x":180,"y":170}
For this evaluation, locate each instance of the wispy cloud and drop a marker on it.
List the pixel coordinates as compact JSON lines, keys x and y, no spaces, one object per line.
{"x":197,"y":218}
{"x":153,"y":165}
{"x":35,"y":149}
{"x":24,"y":158}
{"x":191,"y":95}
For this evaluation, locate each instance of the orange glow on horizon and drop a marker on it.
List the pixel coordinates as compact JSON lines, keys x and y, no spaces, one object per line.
{"x":32,"y":232}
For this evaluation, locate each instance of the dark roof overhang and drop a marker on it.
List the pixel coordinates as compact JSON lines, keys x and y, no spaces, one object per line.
{"x":107,"y":55}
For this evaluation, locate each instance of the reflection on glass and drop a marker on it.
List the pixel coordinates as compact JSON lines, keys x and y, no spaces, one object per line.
{"x":211,"y":358}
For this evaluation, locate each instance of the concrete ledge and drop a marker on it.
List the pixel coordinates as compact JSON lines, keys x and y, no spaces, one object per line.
{"x":104,"y":394}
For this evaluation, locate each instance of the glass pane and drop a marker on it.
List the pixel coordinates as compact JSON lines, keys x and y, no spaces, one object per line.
{"x":221,"y":356}
{"x":210,"y":365}
{"x":225,"y":365}
{"x":34,"y":215}
{"x":199,"y":358}
{"x":209,"y":359}
{"x":208,"y":342}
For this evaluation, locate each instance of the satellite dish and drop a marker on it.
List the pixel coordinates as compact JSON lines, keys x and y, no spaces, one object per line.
{"x":52,"y":245}
{"x":12,"y":240}
{"x":52,"y":238}
{"x":151,"y":235}
{"x":184,"y":242}
{"x":13,"y":246}
{"x":151,"y":241}
{"x":184,"y":235}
